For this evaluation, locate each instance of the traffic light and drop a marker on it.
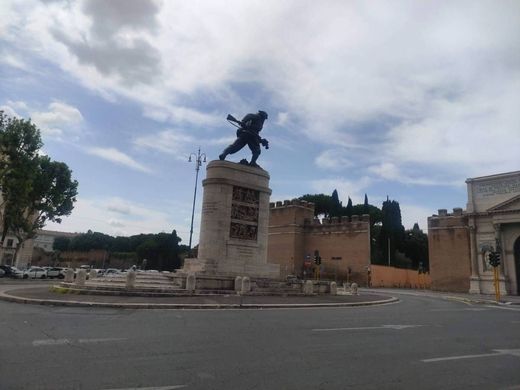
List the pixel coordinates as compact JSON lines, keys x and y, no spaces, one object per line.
{"x":494,"y":259}
{"x":317,"y":258}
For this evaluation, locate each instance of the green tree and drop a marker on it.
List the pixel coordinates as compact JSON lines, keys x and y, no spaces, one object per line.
{"x":415,"y":246}
{"x":392,"y":231}
{"x":349,"y":209}
{"x":366,"y":205}
{"x":61,"y":244}
{"x":35,"y":189}
{"x":322,"y":204}
{"x":336,"y":207}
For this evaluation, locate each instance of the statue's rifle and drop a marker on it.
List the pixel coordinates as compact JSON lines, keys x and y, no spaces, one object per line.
{"x":241,"y":128}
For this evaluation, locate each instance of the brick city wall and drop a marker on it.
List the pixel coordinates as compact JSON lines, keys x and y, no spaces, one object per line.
{"x":294,"y":235}
{"x":449,"y":251}
{"x":384,"y":276}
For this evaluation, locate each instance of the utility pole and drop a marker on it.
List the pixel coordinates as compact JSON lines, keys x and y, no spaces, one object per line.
{"x":199,"y":159}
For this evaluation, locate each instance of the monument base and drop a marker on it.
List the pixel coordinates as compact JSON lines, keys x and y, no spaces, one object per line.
{"x":234,"y":223}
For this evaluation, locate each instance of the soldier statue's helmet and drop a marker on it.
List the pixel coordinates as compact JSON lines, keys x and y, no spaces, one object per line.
{"x":263,"y":114}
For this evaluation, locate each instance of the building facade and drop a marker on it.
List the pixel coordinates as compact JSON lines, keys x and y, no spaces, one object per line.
{"x":295,"y":235}
{"x":460,"y":242}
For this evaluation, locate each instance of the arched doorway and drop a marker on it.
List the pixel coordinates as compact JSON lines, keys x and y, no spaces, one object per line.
{"x":517,"y":264}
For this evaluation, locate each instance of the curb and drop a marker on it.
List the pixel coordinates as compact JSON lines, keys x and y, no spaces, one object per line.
{"x":52,"y":302}
{"x":453,"y":298}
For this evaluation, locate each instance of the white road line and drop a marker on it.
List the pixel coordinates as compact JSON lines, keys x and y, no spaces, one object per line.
{"x":39,"y":343}
{"x":504,"y":307}
{"x":498,"y":352}
{"x":47,"y":342}
{"x":152,"y":388}
{"x":396,"y":327}
{"x":86,"y":341}
{"x":457,"y":310}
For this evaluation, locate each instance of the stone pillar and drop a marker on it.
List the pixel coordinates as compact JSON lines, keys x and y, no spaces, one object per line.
{"x":191,"y":282}
{"x":474,"y":284}
{"x":333,"y":288}
{"x":246,"y":285}
{"x":238,"y":283}
{"x":130,"y":280}
{"x":308,"y":287}
{"x":92,"y":274}
{"x":69,"y":275}
{"x":354,"y":289}
{"x":235,"y":218}
{"x":81,"y":277}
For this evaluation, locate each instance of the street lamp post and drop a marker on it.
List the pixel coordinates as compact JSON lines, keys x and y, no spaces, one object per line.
{"x":199,"y":159}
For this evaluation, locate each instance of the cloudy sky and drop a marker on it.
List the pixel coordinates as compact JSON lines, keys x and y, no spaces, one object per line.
{"x":403,"y":99}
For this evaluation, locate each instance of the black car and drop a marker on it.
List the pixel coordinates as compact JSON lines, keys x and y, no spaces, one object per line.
{"x":7,"y":271}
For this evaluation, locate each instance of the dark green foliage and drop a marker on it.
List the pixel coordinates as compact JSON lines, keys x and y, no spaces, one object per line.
{"x":162,"y":250}
{"x":322,"y":204}
{"x":365,"y":205}
{"x":336,"y":208}
{"x":61,"y":244}
{"x":391,"y":235}
{"x":349,"y":209}
{"x":415,"y":247}
{"x":35,"y":189}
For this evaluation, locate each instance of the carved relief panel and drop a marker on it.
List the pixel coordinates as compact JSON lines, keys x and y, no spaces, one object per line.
{"x":244,"y":213}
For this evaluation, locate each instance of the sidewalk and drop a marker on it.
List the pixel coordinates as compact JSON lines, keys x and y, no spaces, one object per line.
{"x":472,"y":298}
{"x":40,"y":294}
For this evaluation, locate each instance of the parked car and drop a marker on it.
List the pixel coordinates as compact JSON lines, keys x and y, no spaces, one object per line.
{"x":111,"y":272}
{"x":16,"y":273}
{"x":6,"y":271}
{"x":34,"y":273}
{"x":56,"y":272}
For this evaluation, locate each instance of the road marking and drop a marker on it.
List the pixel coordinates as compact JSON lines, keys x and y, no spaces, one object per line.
{"x":86,"y":341}
{"x":396,"y":327}
{"x":152,"y":388}
{"x":498,"y":352}
{"x":504,"y":307}
{"x":39,"y":343}
{"x":46,"y":342}
{"x":456,"y":310}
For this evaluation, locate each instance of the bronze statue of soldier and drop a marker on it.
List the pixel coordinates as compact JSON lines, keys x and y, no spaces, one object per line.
{"x":248,"y":134}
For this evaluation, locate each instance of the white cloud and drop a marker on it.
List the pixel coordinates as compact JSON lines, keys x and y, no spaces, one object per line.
{"x":391,"y":172}
{"x":176,"y":143}
{"x":446,"y":75}
{"x":346,"y":188}
{"x":99,"y":214}
{"x":118,"y":157}
{"x":9,"y":111}
{"x":411,"y":214}
{"x":333,"y":159}
{"x":60,"y":120}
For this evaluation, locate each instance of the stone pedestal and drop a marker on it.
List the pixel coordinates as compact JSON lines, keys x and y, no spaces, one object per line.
{"x":234,"y":224}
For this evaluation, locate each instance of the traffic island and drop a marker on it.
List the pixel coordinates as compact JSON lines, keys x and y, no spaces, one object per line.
{"x":42,"y":295}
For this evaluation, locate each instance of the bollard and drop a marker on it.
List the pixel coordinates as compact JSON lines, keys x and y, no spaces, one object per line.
{"x":333,"y":288}
{"x":308,"y":287}
{"x":130,"y":280}
{"x":191,"y":282}
{"x":354,"y":288}
{"x":69,"y":275}
{"x":238,"y":283}
{"x":81,"y":277}
{"x":92,"y":274}
{"x":246,"y":285}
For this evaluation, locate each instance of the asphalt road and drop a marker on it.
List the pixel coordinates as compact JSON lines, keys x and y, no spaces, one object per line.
{"x":418,"y":343}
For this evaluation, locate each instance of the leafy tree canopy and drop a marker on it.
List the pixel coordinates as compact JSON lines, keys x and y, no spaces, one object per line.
{"x":35,"y":189}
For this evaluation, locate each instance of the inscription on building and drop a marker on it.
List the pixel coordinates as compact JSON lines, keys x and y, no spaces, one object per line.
{"x":209,"y":207}
{"x":244,"y":213}
{"x":499,"y":187}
